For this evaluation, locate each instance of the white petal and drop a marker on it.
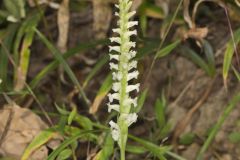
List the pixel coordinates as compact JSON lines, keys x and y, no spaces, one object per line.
{"x":132,"y":64}
{"x":115,"y":130}
{"x":117,"y":76}
{"x":132,"y":23}
{"x":131,"y":88}
{"x":131,"y":118}
{"x":113,"y":107}
{"x":129,"y":4}
{"x":116,"y":86}
{"x":130,"y":33}
{"x":116,"y":39}
{"x":131,"y":44}
{"x":116,"y":5}
{"x":117,"y":30}
{"x":114,"y":56}
{"x":130,"y":101}
{"x":113,"y":96}
{"x":132,"y":75}
{"x":131,"y":54}
{"x":113,"y":66}
{"x":114,"y":48}
{"x":116,"y":14}
{"x":130,"y":14}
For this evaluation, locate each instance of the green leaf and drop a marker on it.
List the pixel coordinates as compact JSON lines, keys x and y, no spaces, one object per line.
{"x":5,"y":50}
{"x":234,"y":137}
{"x":65,"y":154}
{"x":25,"y":37}
{"x":107,"y":149}
{"x":168,"y":49}
{"x":66,"y":67}
{"x":237,"y":74}
{"x":72,"y":115}
{"x":66,"y":143}
{"x":208,"y":50}
{"x":229,"y":54}
{"x":187,"y":139}
{"x":84,"y":122}
{"x":160,"y":113}
{"x":135,"y":149}
{"x":38,"y":141}
{"x":158,"y":151}
{"x":192,"y":55}
{"x":141,"y":101}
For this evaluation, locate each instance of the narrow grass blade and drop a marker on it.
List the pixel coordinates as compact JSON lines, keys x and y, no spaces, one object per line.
{"x":25,"y":52}
{"x":141,"y":101}
{"x":208,"y":50}
{"x":66,"y":143}
{"x":107,"y":149}
{"x":53,"y":65}
{"x":103,"y":60}
{"x":103,"y":91}
{"x":158,"y":151}
{"x":6,"y":43}
{"x":38,"y":141}
{"x":167,"y":50}
{"x":66,"y":67}
{"x":229,"y":54}
{"x":235,"y":100}
{"x":192,"y":55}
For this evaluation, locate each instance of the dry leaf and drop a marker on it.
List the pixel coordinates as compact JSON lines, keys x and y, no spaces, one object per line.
{"x":196,"y":33}
{"x":136,"y":4}
{"x":18,"y":127}
{"x":102,"y":15}
{"x":186,"y":14}
{"x":63,"y":25}
{"x":237,"y":2}
{"x":164,"y":4}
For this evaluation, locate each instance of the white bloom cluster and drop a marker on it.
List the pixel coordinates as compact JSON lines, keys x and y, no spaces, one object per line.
{"x":124,"y":68}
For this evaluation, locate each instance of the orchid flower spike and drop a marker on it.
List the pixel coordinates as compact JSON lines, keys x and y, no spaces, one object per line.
{"x":124,"y":70}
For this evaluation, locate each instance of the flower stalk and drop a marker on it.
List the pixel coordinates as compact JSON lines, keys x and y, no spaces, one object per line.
{"x":124,"y":71}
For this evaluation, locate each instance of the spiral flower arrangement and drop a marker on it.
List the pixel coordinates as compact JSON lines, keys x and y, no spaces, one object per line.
{"x":124,"y":70}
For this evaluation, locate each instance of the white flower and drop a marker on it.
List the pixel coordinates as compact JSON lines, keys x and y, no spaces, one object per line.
{"x":113,"y":96}
{"x":117,"y":76}
{"x":0,"y":81}
{"x":132,"y":64}
{"x":115,"y":130}
{"x":131,"y":54}
{"x":117,"y":30}
{"x":130,"y":101}
{"x":133,"y":87}
{"x":131,"y":44}
{"x":132,"y":75}
{"x":116,"y":39}
{"x":115,"y":107}
{"x":132,"y":23}
{"x":114,"y":48}
{"x":116,"y":86}
{"x":130,"y":14}
{"x":114,"y":56}
{"x":131,"y":118}
{"x":113,"y":66}
{"x":130,"y":33}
